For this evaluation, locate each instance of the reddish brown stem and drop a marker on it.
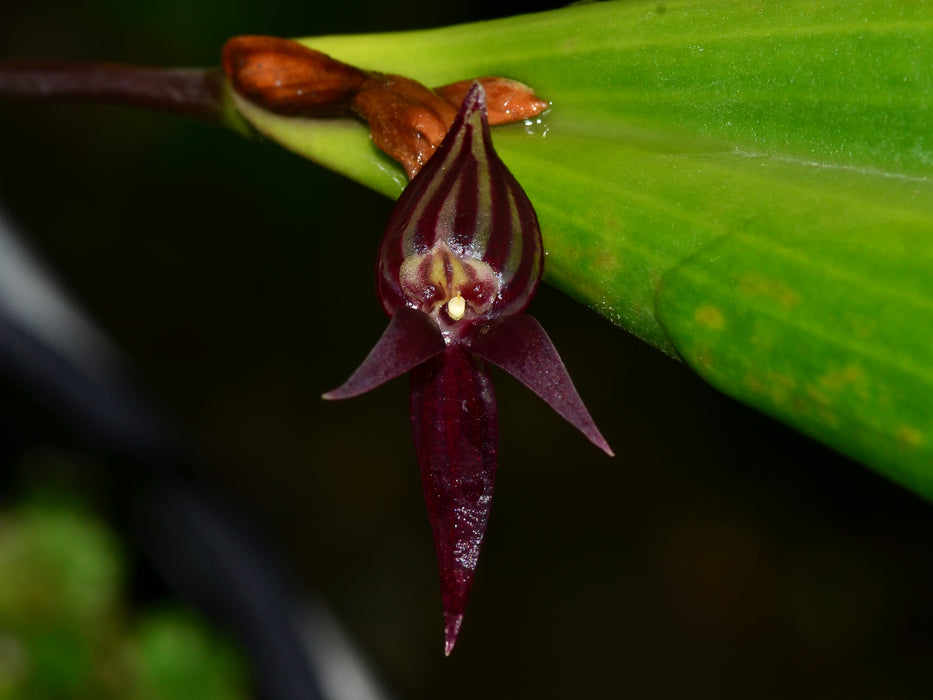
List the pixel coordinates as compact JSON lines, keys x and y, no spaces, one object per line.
{"x":193,"y":92}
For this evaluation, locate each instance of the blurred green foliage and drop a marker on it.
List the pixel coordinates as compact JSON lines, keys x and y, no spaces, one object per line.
{"x":66,"y":630}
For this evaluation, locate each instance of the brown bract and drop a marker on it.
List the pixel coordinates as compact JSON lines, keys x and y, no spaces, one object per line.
{"x":287,"y":78}
{"x":407,"y":120}
{"x":506,"y":100}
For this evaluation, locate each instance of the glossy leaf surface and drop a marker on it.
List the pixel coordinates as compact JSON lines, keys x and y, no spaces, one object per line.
{"x":746,"y":186}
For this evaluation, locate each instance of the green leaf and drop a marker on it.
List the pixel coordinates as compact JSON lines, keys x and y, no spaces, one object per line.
{"x":744,"y":185}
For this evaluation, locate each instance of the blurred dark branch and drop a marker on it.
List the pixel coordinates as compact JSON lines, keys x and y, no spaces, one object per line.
{"x":58,"y":359}
{"x":193,"y":92}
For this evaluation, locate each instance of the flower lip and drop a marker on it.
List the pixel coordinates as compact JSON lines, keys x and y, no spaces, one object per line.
{"x":431,"y":281}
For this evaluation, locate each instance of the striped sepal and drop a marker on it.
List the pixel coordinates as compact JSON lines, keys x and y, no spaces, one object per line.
{"x":462,"y":218}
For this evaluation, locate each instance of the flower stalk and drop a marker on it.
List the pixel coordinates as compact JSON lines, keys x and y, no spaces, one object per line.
{"x":191,"y":92}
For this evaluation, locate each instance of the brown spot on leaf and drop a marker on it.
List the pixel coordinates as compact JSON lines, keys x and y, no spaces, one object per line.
{"x":909,"y":436}
{"x":710,"y":317}
{"x":756,"y":284}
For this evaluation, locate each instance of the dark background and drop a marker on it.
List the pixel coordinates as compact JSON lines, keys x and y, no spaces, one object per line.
{"x":718,"y":555}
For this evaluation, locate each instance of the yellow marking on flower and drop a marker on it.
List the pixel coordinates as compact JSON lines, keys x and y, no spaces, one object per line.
{"x":456,"y":307}
{"x":439,"y":276}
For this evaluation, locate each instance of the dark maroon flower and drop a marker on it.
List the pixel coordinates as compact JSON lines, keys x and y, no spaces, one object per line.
{"x":460,"y":261}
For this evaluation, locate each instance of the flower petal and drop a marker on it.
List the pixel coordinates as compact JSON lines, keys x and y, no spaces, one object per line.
{"x":411,"y":338}
{"x":519,"y":345}
{"x":453,"y":417}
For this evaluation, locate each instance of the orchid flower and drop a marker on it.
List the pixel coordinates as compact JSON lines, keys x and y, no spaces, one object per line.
{"x":461,"y":259}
